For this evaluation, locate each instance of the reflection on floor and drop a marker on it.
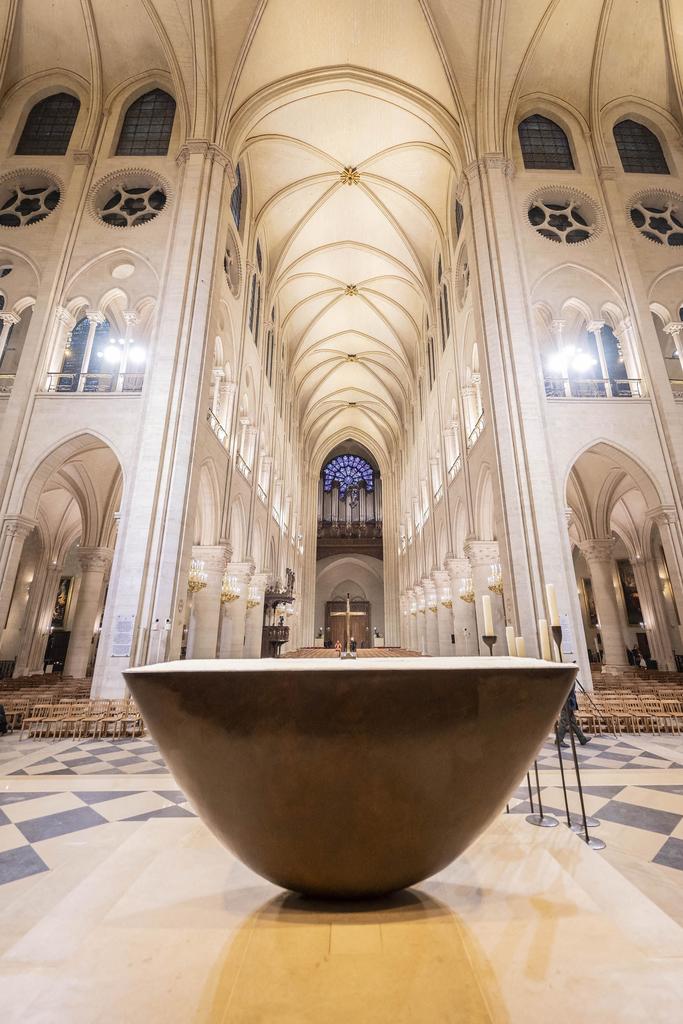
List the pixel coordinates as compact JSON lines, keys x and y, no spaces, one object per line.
{"x":115,"y":894}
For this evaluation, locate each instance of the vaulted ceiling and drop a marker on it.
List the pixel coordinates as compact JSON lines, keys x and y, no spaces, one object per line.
{"x":407,"y":92}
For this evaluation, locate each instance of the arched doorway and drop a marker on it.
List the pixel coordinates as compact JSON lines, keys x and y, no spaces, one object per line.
{"x":623,"y":561}
{"x":57,"y":568}
{"x":349,"y":547}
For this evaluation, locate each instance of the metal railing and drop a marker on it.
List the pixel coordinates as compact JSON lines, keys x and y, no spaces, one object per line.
{"x":475,"y":432}
{"x":276,"y":515}
{"x":261,"y":494}
{"x":244,"y":469}
{"x":93,"y":383}
{"x":6,"y":383}
{"x":454,"y":468}
{"x":217,"y":428}
{"x":438,"y":494}
{"x":608,"y":387}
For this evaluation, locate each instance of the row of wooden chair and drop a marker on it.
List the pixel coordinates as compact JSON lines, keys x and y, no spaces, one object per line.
{"x":628,"y":711}
{"x":76,"y":719}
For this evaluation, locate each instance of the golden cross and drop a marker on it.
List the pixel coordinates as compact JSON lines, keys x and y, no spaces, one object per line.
{"x":348,"y":615}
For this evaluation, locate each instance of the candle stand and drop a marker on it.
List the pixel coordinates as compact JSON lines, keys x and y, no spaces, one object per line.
{"x":489,"y":641}
{"x":577,"y":825}
{"x":541,"y":820}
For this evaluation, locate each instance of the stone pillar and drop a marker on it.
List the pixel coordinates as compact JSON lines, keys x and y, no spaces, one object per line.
{"x":206,"y":603}
{"x":412,"y":620}
{"x":8,"y":320}
{"x":598,"y":555}
{"x":36,"y":628}
{"x":420,"y":621}
{"x":431,"y":621}
{"x":675,"y":329}
{"x":654,"y":618}
{"x":464,"y":616}
{"x":444,"y":614}
{"x":15,"y":530}
{"x":233,"y":619}
{"x":254,"y":623}
{"x":482,"y":554}
{"x":94,"y":564}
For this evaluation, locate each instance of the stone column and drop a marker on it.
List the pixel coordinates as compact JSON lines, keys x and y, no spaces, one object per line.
{"x":464,"y":616}
{"x":8,"y":320}
{"x":431,"y":621}
{"x":598,"y":555}
{"x":233,"y":619}
{"x":254,"y":623}
{"x":38,"y":621}
{"x":444,"y":614}
{"x":206,"y":603}
{"x":656,"y":626}
{"x":675,"y":329}
{"x":412,"y":620}
{"x":421,"y":626}
{"x":15,"y":530}
{"x":94,"y":564}
{"x":482,"y":554}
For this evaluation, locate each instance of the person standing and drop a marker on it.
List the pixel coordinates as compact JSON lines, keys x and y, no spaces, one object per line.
{"x":568,"y":721}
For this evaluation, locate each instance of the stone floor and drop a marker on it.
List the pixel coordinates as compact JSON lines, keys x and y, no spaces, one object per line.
{"x":113,"y":890}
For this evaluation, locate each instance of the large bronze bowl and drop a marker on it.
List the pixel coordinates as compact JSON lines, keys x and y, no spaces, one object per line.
{"x":355,"y":778}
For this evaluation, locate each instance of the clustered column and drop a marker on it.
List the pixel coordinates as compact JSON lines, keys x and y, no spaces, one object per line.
{"x":444,"y":614}
{"x":254,"y":618}
{"x":94,"y":563}
{"x":482,"y":554}
{"x":464,"y":618}
{"x":206,"y":603}
{"x":233,"y":621}
{"x":598,"y":555}
{"x":431,"y":623}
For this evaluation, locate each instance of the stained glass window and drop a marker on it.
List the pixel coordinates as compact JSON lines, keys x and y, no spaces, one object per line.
{"x":348,"y":471}
{"x":459,"y":217}
{"x":49,"y":126}
{"x":544,"y":144}
{"x":236,"y":198}
{"x":639,"y":148}
{"x":147,"y":125}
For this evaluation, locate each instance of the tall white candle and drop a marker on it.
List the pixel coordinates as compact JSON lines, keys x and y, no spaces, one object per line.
{"x":488,"y":615}
{"x":520,"y":643}
{"x":552,"y":604}
{"x":510,"y":637}
{"x":544,"y":639}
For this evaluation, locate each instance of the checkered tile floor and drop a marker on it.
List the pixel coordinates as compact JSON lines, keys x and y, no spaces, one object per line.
{"x":98,"y":757}
{"x":30,"y":818}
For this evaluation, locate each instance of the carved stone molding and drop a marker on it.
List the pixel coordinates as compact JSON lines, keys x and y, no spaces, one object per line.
{"x":17,"y":527}
{"x":482,"y":552}
{"x":94,"y":559}
{"x":597,"y":549}
{"x":214,"y":556}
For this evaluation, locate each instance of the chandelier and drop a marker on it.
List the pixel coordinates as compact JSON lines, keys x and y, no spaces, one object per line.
{"x":446,"y":602}
{"x":197,"y":578}
{"x":432,"y":606}
{"x":253,"y":599}
{"x":230,"y":590}
{"x":496,"y":578}
{"x":467,"y":590}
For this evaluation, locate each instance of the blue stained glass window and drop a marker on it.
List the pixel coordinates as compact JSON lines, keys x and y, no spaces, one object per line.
{"x":236,"y":198}
{"x":347,"y":471}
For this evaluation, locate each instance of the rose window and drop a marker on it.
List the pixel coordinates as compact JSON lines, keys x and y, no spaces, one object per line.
{"x":349,"y":471}
{"x":26,"y":201}
{"x":562,"y":218}
{"x":659,"y":218}
{"x":128,"y":198}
